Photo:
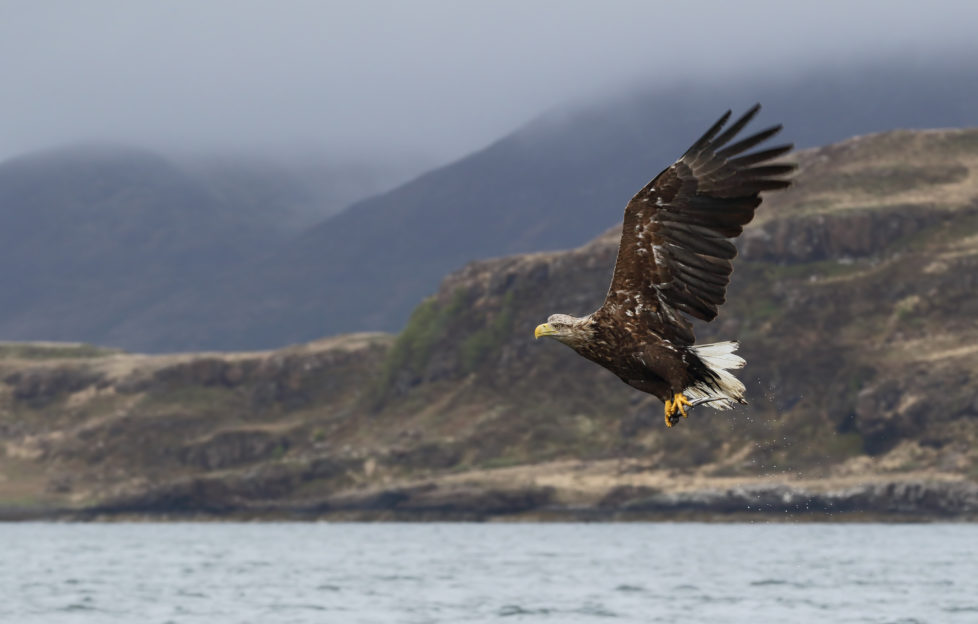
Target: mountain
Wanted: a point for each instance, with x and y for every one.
(854, 299)
(91, 235)
(296, 191)
(555, 183)
(131, 249)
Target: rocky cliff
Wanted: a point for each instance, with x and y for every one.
(854, 299)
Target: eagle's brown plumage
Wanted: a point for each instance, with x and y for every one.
(674, 262)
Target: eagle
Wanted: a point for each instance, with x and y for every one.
(674, 263)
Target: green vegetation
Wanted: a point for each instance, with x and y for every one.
(502, 461)
(966, 141)
(814, 205)
(480, 343)
(898, 179)
(761, 309)
(819, 268)
(193, 397)
(429, 323)
(843, 446)
(814, 448)
(907, 307)
(52, 350)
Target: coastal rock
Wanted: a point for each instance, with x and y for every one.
(925, 498)
(230, 448)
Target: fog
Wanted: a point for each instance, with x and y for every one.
(431, 79)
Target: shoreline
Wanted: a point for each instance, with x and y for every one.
(495, 496)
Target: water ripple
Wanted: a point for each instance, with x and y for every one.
(511, 610)
(457, 574)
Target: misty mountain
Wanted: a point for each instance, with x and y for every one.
(141, 254)
(294, 192)
(554, 183)
(92, 235)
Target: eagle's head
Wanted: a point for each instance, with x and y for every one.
(570, 330)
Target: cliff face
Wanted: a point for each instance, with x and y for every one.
(854, 299)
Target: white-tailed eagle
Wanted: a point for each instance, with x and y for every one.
(674, 262)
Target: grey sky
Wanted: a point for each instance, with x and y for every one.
(437, 77)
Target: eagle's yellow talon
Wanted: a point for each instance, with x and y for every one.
(676, 404)
(680, 404)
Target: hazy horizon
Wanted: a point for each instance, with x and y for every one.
(426, 82)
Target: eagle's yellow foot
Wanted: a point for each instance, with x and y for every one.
(680, 402)
(675, 407)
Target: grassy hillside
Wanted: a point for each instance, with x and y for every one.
(854, 299)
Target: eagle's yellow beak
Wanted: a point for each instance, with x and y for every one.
(544, 330)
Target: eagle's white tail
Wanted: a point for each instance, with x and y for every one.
(724, 391)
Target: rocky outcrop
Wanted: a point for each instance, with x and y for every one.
(231, 448)
(924, 498)
(920, 498)
(42, 384)
(843, 235)
(434, 501)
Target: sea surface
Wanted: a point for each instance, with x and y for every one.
(417, 573)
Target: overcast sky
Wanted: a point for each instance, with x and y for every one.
(432, 77)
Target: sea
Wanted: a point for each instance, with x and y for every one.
(265, 573)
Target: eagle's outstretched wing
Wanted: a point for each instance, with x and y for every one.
(675, 253)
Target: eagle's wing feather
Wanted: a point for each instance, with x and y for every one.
(675, 252)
